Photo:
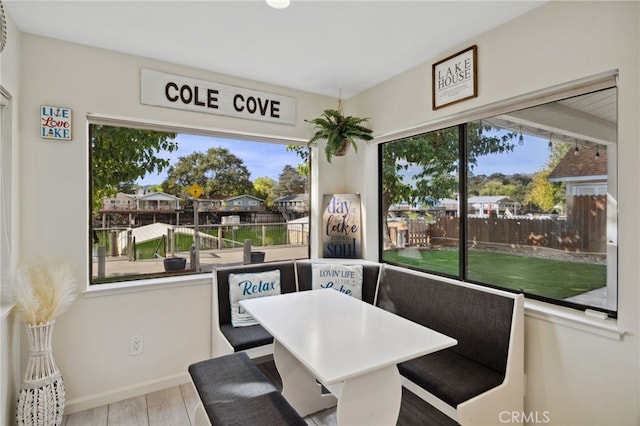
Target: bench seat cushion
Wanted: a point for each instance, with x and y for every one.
(266, 410)
(229, 377)
(234, 391)
(479, 320)
(450, 376)
(243, 338)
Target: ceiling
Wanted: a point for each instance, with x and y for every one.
(324, 47)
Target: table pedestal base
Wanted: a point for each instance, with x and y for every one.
(299, 387)
(372, 398)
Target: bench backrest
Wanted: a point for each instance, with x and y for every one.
(370, 274)
(287, 282)
(479, 320)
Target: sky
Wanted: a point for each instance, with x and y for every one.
(529, 157)
(268, 159)
(262, 159)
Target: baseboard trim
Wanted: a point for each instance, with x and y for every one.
(88, 402)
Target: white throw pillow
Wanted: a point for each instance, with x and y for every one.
(249, 286)
(343, 278)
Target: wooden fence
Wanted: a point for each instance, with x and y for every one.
(583, 230)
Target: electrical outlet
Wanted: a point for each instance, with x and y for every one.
(136, 345)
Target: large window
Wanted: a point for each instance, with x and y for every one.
(524, 201)
(166, 204)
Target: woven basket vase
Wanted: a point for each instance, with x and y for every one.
(41, 400)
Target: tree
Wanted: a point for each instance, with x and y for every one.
(544, 194)
(217, 171)
(303, 153)
(515, 186)
(121, 155)
(290, 182)
(263, 188)
(424, 167)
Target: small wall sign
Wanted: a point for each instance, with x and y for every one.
(341, 226)
(174, 91)
(55, 122)
(455, 78)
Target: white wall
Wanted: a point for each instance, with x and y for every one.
(578, 377)
(91, 341)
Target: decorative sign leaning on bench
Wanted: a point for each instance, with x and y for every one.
(341, 222)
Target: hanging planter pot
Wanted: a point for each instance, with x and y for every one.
(339, 131)
(346, 145)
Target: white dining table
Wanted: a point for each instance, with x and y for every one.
(349, 346)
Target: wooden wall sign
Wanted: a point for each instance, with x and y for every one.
(455, 78)
(178, 92)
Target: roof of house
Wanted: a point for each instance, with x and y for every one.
(244, 196)
(157, 196)
(292, 197)
(582, 165)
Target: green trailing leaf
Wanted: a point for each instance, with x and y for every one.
(337, 130)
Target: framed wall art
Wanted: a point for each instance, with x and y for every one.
(455, 78)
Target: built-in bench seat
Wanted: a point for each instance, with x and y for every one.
(294, 276)
(483, 375)
(254, 336)
(472, 382)
(233, 391)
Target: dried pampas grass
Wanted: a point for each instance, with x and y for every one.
(41, 293)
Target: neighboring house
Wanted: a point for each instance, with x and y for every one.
(583, 173)
(489, 204)
(158, 201)
(425, 205)
(243, 203)
(292, 206)
(122, 201)
(449, 206)
(482, 205)
(585, 176)
(210, 204)
(399, 208)
(294, 203)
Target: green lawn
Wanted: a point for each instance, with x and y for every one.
(544, 277)
(274, 235)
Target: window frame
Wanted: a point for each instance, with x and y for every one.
(576, 88)
(144, 281)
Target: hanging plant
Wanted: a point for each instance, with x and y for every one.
(339, 131)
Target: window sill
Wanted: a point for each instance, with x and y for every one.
(97, 290)
(5, 310)
(575, 319)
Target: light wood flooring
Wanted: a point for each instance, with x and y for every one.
(175, 407)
